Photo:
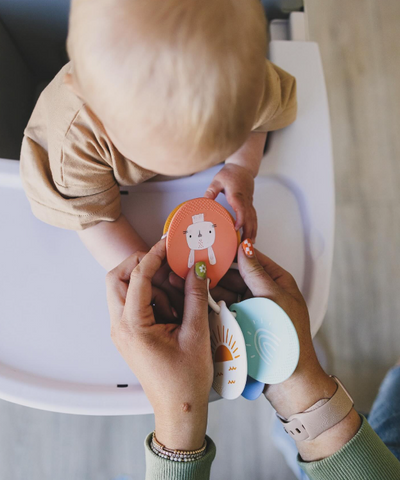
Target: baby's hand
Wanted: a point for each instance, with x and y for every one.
(237, 183)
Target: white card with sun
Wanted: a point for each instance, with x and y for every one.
(229, 354)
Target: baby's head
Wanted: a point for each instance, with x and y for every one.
(176, 83)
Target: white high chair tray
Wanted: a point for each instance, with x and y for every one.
(55, 348)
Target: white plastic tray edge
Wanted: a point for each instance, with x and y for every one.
(61, 397)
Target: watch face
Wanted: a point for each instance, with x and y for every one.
(201, 230)
(272, 344)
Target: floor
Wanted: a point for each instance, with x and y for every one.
(360, 47)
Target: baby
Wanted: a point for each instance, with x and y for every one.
(167, 87)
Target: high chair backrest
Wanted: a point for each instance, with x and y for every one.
(38, 29)
(32, 50)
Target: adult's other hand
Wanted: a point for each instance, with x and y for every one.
(172, 362)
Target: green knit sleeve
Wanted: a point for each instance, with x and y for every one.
(364, 457)
(158, 468)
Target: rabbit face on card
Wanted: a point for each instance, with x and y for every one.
(200, 235)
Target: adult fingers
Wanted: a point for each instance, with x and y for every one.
(255, 276)
(176, 281)
(117, 281)
(138, 308)
(175, 297)
(280, 276)
(162, 306)
(195, 313)
(161, 275)
(233, 281)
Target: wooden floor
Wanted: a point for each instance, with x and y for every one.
(360, 47)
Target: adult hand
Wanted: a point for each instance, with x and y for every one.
(261, 277)
(265, 278)
(172, 362)
(168, 307)
(309, 383)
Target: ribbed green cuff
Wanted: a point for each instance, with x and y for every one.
(158, 468)
(364, 457)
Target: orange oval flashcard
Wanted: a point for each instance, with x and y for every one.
(201, 230)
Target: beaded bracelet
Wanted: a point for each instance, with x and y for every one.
(177, 455)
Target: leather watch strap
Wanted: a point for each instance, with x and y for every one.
(319, 418)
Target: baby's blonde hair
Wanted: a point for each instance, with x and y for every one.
(190, 68)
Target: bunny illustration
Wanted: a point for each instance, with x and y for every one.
(200, 235)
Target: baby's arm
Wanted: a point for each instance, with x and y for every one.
(112, 242)
(250, 153)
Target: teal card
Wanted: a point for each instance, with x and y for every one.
(271, 340)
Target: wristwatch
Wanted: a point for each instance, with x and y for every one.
(320, 417)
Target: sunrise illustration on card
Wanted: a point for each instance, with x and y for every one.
(229, 354)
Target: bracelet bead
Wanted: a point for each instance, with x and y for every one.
(177, 455)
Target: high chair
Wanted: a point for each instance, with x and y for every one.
(55, 348)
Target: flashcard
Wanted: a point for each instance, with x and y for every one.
(272, 344)
(201, 230)
(253, 389)
(229, 354)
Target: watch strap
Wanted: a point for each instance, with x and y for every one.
(319, 418)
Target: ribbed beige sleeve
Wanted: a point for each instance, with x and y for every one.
(364, 457)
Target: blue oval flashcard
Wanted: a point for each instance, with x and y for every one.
(271, 340)
(228, 352)
(253, 389)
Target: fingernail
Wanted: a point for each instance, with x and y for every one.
(201, 270)
(174, 312)
(248, 248)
